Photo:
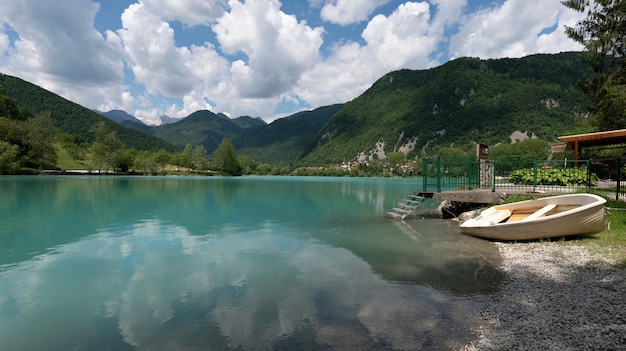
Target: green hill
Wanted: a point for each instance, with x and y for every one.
(461, 103)
(72, 118)
(204, 128)
(285, 139)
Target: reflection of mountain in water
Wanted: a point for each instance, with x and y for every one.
(50, 211)
(229, 263)
(43, 212)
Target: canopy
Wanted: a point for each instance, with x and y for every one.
(580, 141)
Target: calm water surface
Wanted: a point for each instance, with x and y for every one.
(250, 263)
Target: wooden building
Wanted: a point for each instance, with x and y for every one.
(601, 140)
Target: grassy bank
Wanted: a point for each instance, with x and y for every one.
(610, 243)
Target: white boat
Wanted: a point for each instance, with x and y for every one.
(548, 217)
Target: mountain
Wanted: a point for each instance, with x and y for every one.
(204, 128)
(280, 142)
(119, 116)
(72, 118)
(246, 122)
(285, 139)
(316, 118)
(159, 121)
(461, 103)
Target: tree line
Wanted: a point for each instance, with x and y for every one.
(107, 154)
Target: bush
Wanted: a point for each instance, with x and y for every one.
(552, 176)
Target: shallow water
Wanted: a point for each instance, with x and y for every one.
(249, 263)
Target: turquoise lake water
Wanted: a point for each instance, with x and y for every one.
(247, 263)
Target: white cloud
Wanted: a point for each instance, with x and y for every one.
(278, 47)
(152, 53)
(512, 30)
(404, 39)
(558, 41)
(339, 78)
(191, 12)
(448, 11)
(58, 45)
(346, 12)
(4, 43)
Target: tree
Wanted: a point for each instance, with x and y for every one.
(126, 159)
(264, 169)
(8, 158)
(225, 159)
(248, 165)
(187, 157)
(14, 132)
(451, 151)
(198, 159)
(41, 133)
(144, 161)
(395, 159)
(603, 34)
(162, 158)
(178, 159)
(106, 148)
(8, 108)
(537, 148)
(75, 146)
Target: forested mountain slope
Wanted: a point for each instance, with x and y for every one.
(74, 119)
(460, 103)
(205, 128)
(284, 140)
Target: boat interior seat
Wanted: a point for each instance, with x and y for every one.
(540, 212)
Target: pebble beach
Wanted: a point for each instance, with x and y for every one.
(557, 296)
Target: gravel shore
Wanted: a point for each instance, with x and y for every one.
(555, 297)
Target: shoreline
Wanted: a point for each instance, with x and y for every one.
(555, 297)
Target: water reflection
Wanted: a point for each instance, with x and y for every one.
(427, 252)
(269, 265)
(72, 207)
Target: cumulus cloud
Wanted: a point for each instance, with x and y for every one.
(191, 12)
(59, 43)
(512, 30)
(4, 43)
(346, 12)
(152, 53)
(404, 39)
(278, 47)
(558, 41)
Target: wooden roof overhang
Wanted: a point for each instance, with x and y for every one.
(580, 141)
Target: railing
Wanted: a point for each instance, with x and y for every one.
(508, 173)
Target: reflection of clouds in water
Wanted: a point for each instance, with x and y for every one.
(250, 288)
(396, 314)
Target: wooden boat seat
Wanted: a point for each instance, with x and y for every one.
(540, 212)
(494, 218)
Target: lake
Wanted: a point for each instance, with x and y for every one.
(246, 263)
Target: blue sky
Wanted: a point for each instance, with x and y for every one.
(262, 58)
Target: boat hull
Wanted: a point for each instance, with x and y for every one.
(573, 214)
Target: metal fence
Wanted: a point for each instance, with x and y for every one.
(508, 173)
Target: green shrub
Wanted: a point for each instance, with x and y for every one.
(552, 176)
